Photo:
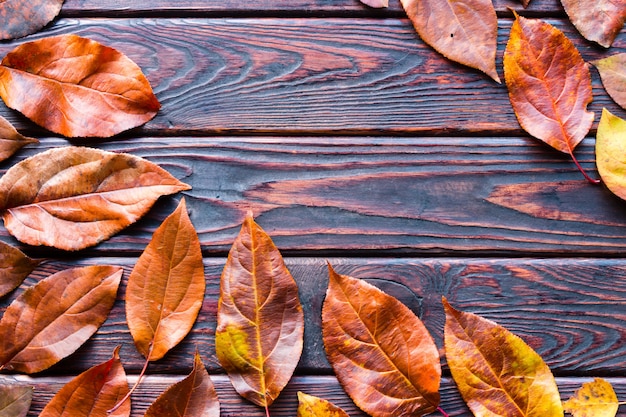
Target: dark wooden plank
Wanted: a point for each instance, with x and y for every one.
(303, 76)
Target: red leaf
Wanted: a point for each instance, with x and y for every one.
(15, 266)
(597, 20)
(10, 139)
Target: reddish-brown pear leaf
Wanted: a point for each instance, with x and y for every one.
(464, 31)
(24, 17)
(260, 322)
(11, 140)
(311, 406)
(92, 393)
(382, 354)
(613, 73)
(14, 267)
(496, 372)
(594, 399)
(76, 87)
(194, 396)
(15, 399)
(597, 20)
(52, 319)
(75, 197)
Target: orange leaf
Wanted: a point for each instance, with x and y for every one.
(260, 323)
(11, 140)
(464, 31)
(92, 393)
(310, 406)
(382, 354)
(611, 153)
(15, 399)
(76, 87)
(52, 319)
(597, 20)
(24, 17)
(15, 266)
(593, 399)
(496, 372)
(613, 73)
(74, 197)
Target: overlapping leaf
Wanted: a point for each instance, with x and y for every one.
(15, 399)
(14, 267)
(75, 197)
(11, 140)
(593, 399)
(611, 152)
(597, 20)
(92, 393)
(311, 406)
(613, 73)
(260, 323)
(52, 319)
(76, 87)
(496, 372)
(23, 17)
(382, 354)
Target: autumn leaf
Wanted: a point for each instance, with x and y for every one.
(75, 197)
(613, 74)
(382, 354)
(11, 140)
(376, 3)
(194, 396)
(597, 20)
(525, 3)
(593, 399)
(15, 266)
(464, 31)
(311, 406)
(496, 372)
(260, 323)
(76, 87)
(24, 17)
(92, 393)
(549, 85)
(53, 318)
(15, 399)
(611, 153)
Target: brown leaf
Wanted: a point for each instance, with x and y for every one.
(496, 372)
(376, 3)
(74, 197)
(610, 154)
(11, 140)
(464, 31)
(194, 396)
(260, 323)
(382, 354)
(15, 266)
(525, 3)
(24, 17)
(593, 399)
(310, 406)
(597, 20)
(52, 319)
(166, 287)
(92, 393)
(76, 87)
(15, 399)
(613, 73)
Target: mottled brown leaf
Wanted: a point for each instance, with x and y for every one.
(611, 153)
(52, 319)
(593, 399)
(11, 140)
(76, 87)
(15, 398)
(24, 17)
(311, 406)
(75, 197)
(14, 267)
(613, 73)
(382, 354)
(597, 20)
(260, 323)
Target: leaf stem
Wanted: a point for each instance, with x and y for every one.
(141, 375)
(267, 410)
(580, 168)
(442, 412)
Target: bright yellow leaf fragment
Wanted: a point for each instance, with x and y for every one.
(593, 399)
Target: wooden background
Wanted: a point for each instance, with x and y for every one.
(353, 142)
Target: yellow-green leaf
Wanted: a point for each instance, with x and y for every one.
(611, 152)
(311, 406)
(613, 74)
(593, 399)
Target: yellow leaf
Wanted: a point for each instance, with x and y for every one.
(611, 153)
(593, 399)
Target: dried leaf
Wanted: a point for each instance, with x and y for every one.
(310, 406)
(464, 31)
(382, 354)
(52, 319)
(376, 3)
(24, 17)
(166, 287)
(613, 73)
(496, 372)
(15, 399)
(76, 87)
(593, 399)
(611, 153)
(74, 197)
(194, 396)
(11, 140)
(15, 266)
(597, 20)
(260, 323)
(92, 393)
(525, 3)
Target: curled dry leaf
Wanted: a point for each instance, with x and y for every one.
(496, 372)
(593, 399)
(376, 3)
(382, 354)
(310, 406)
(11, 140)
(260, 323)
(464, 31)
(597, 20)
(76, 87)
(611, 153)
(15, 398)
(613, 73)
(52, 319)
(92, 393)
(74, 197)
(24, 17)
(15, 266)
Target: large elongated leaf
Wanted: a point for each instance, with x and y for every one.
(613, 73)
(14, 267)
(52, 319)
(382, 354)
(260, 323)
(10, 139)
(496, 372)
(597, 20)
(75, 197)
(310, 406)
(593, 399)
(76, 87)
(15, 399)
(464, 31)
(23, 17)
(611, 153)
(92, 393)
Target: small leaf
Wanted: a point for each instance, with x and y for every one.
(15, 399)
(194, 396)
(74, 197)
(598, 20)
(15, 266)
(24, 17)
(92, 393)
(76, 87)
(382, 354)
(613, 73)
(464, 31)
(496, 372)
(260, 323)
(593, 399)
(611, 153)
(52, 319)
(11, 140)
(376, 3)
(310, 406)
(525, 3)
